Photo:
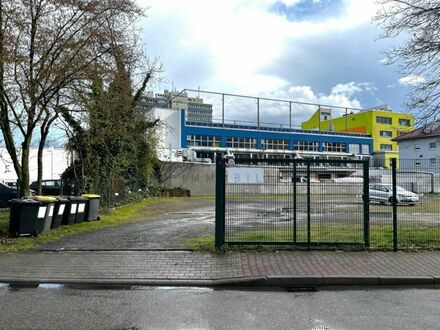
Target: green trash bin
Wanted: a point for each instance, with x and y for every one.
(50, 205)
(92, 207)
(27, 217)
(58, 211)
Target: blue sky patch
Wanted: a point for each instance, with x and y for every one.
(308, 9)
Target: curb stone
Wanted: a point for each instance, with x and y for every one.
(312, 281)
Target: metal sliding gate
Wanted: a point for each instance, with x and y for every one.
(297, 202)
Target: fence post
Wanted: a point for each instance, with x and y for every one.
(294, 200)
(219, 202)
(394, 201)
(308, 204)
(366, 198)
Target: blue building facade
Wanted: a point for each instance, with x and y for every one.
(247, 139)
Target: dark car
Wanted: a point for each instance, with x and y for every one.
(52, 187)
(6, 194)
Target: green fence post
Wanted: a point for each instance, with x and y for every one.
(394, 199)
(308, 204)
(294, 200)
(366, 199)
(219, 202)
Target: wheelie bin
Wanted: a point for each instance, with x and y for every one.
(81, 210)
(27, 217)
(58, 212)
(92, 207)
(50, 204)
(70, 211)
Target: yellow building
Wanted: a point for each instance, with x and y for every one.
(382, 124)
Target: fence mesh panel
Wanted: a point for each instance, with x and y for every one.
(324, 203)
(293, 202)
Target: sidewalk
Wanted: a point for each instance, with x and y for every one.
(282, 269)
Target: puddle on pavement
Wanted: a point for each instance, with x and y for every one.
(56, 286)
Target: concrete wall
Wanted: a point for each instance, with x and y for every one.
(199, 178)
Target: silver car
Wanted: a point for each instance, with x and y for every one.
(383, 193)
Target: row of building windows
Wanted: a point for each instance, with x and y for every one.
(203, 141)
(246, 143)
(389, 121)
(274, 144)
(432, 162)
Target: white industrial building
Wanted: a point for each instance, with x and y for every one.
(55, 162)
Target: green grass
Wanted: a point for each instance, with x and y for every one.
(381, 237)
(135, 212)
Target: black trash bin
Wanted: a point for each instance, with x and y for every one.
(58, 211)
(27, 217)
(92, 207)
(81, 210)
(70, 211)
(50, 204)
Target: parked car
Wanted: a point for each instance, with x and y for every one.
(383, 193)
(52, 187)
(7, 193)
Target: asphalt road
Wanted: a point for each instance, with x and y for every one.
(202, 308)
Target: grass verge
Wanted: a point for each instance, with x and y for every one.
(381, 237)
(143, 210)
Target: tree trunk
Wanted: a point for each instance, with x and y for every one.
(40, 166)
(24, 182)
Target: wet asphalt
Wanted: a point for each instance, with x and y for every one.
(170, 230)
(58, 307)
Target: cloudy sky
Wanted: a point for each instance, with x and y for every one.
(320, 51)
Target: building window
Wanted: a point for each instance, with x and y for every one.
(433, 161)
(432, 145)
(404, 122)
(365, 149)
(306, 146)
(194, 140)
(384, 120)
(335, 147)
(355, 148)
(275, 144)
(386, 133)
(245, 143)
(386, 147)
(417, 163)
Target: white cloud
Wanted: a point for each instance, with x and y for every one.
(238, 38)
(411, 80)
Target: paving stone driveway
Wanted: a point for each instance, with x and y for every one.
(171, 230)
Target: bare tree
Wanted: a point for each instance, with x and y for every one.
(418, 56)
(45, 46)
